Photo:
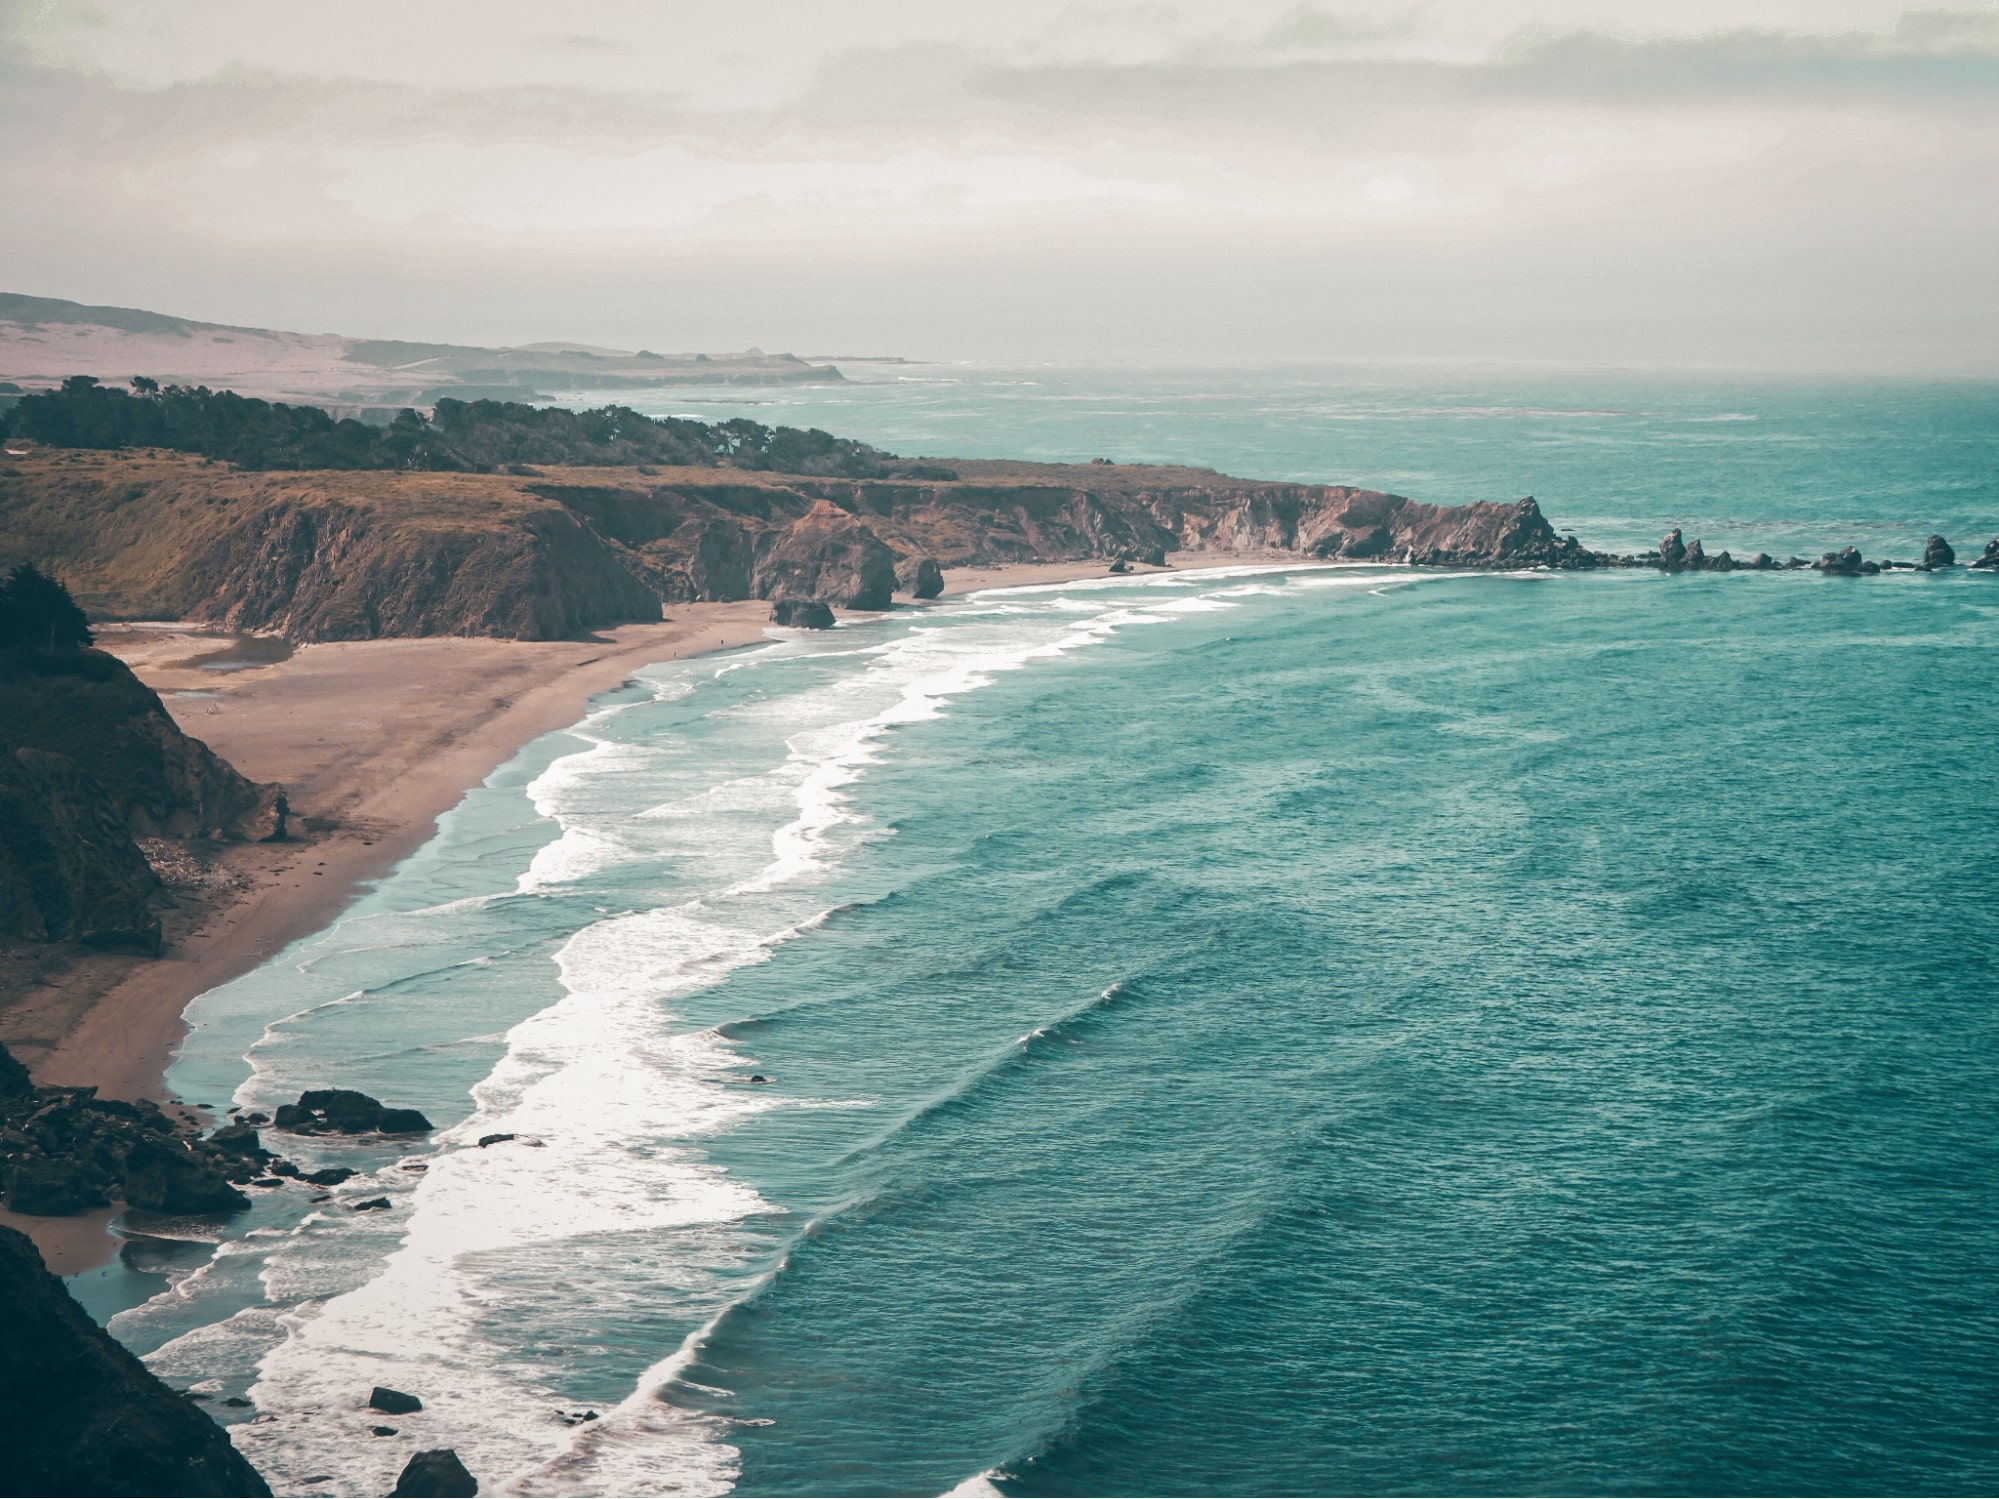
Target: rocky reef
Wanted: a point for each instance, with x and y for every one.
(91, 761)
(80, 1415)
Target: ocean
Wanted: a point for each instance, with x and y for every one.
(1272, 1030)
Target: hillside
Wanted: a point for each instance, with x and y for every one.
(44, 339)
(556, 552)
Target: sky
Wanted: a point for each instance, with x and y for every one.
(1756, 184)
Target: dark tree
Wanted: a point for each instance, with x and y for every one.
(37, 612)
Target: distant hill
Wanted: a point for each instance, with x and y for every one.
(43, 340)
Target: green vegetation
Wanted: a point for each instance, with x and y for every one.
(460, 436)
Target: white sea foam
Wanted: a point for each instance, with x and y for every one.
(609, 1104)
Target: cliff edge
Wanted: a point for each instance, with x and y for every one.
(80, 1415)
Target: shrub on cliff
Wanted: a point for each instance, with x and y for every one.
(37, 613)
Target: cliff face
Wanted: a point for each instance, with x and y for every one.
(330, 571)
(339, 556)
(80, 1415)
(89, 761)
(827, 557)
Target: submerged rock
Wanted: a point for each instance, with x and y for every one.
(435, 1473)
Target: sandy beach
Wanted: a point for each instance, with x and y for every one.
(373, 741)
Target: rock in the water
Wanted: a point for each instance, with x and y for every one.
(343, 1111)
(331, 1176)
(1672, 551)
(808, 615)
(1990, 557)
(372, 1205)
(825, 556)
(1845, 563)
(393, 1402)
(485, 1140)
(435, 1473)
(1937, 553)
(919, 577)
(1695, 557)
(80, 1415)
(169, 1176)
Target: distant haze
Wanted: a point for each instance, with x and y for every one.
(1762, 183)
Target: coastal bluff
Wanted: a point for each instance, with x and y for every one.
(82, 1415)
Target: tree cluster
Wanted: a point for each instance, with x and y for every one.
(37, 613)
(459, 437)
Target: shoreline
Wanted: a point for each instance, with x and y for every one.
(373, 741)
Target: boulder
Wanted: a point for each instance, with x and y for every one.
(169, 1176)
(343, 1111)
(435, 1473)
(393, 1402)
(802, 616)
(1845, 563)
(1695, 557)
(332, 1176)
(1990, 557)
(919, 577)
(826, 556)
(80, 1415)
(1672, 551)
(1937, 553)
(53, 1188)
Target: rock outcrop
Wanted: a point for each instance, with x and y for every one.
(1937, 553)
(435, 1473)
(827, 556)
(812, 616)
(919, 577)
(1845, 563)
(1990, 557)
(90, 761)
(343, 1111)
(329, 571)
(80, 1415)
(65, 1150)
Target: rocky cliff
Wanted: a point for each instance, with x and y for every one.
(90, 760)
(80, 1415)
(331, 571)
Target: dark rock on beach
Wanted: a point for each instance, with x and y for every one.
(919, 577)
(393, 1402)
(80, 1415)
(65, 1150)
(809, 615)
(435, 1473)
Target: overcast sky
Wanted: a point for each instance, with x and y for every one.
(1758, 182)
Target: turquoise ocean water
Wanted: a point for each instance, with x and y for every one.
(1310, 1030)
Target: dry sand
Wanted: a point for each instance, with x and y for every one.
(373, 742)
